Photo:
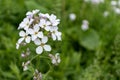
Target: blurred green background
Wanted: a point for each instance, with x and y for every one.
(85, 55)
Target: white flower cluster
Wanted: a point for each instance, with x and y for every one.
(38, 27)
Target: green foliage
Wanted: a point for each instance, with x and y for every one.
(85, 55)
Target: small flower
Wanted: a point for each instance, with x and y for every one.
(45, 24)
(84, 25)
(35, 33)
(44, 16)
(72, 16)
(24, 36)
(55, 33)
(31, 14)
(106, 13)
(42, 45)
(117, 10)
(37, 75)
(25, 23)
(25, 65)
(53, 19)
(113, 3)
(55, 59)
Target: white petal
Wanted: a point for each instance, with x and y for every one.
(47, 47)
(22, 33)
(17, 46)
(58, 35)
(54, 61)
(28, 13)
(40, 34)
(20, 40)
(34, 37)
(39, 50)
(30, 31)
(37, 41)
(53, 36)
(36, 28)
(47, 28)
(27, 39)
(44, 39)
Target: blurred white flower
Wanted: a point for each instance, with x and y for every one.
(53, 20)
(24, 36)
(42, 45)
(72, 16)
(55, 33)
(95, 1)
(55, 59)
(35, 33)
(45, 24)
(117, 10)
(25, 65)
(106, 13)
(44, 16)
(113, 3)
(85, 25)
(31, 14)
(25, 23)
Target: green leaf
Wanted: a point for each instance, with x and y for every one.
(89, 39)
(33, 5)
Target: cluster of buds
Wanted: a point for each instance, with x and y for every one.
(37, 75)
(55, 59)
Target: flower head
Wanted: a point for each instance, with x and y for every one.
(42, 45)
(35, 33)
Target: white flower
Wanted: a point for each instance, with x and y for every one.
(106, 13)
(55, 33)
(25, 23)
(25, 65)
(53, 19)
(117, 10)
(24, 36)
(55, 59)
(42, 45)
(31, 14)
(44, 16)
(113, 3)
(72, 16)
(35, 33)
(97, 1)
(85, 25)
(45, 24)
